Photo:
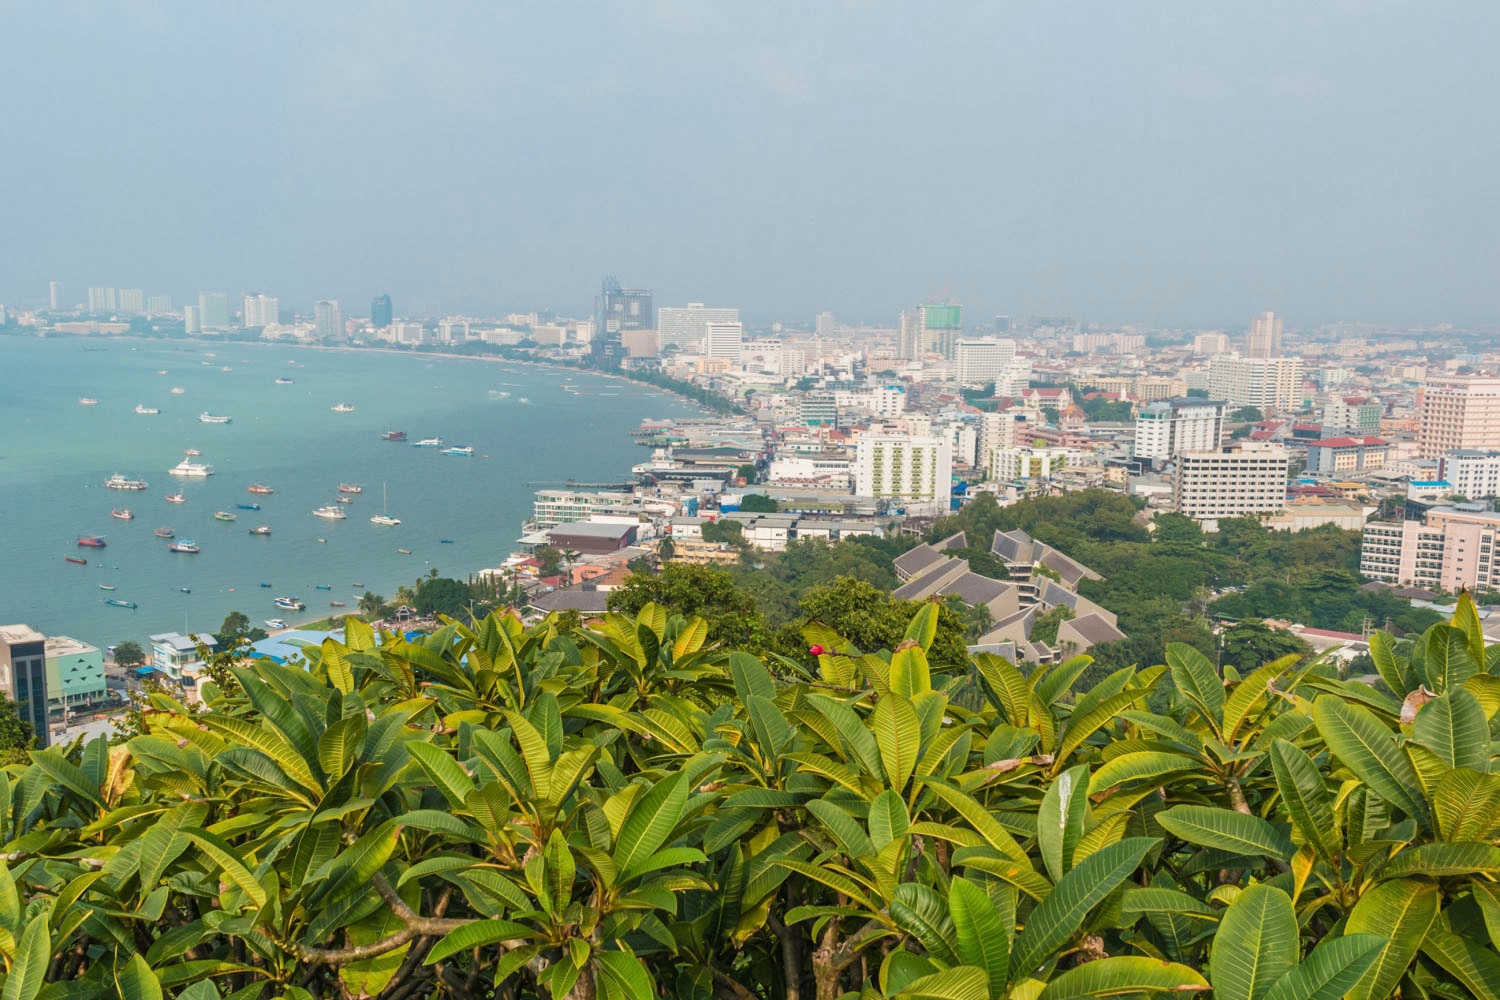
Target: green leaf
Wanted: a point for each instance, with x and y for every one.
(1306, 798)
(923, 626)
(136, 981)
(1395, 670)
(1464, 959)
(1060, 915)
(651, 820)
(843, 827)
(67, 774)
(1446, 660)
(961, 983)
(451, 779)
(1401, 912)
(1466, 806)
(223, 855)
(1330, 970)
(888, 819)
(982, 934)
(1059, 822)
(1364, 744)
(1251, 692)
(1082, 726)
(860, 744)
(1198, 682)
(1126, 976)
(476, 935)
(1226, 830)
(28, 970)
(1453, 726)
(1443, 861)
(560, 870)
(909, 673)
(750, 677)
(898, 736)
(623, 977)
(922, 913)
(1139, 765)
(1255, 946)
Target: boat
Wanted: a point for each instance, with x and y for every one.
(283, 380)
(187, 545)
(165, 533)
(106, 586)
(266, 585)
(178, 390)
(428, 443)
(212, 418)
(226, 368)
(121, 604)
(343, 499)
(161, 371)
(337, 604)
(91, 541)
(191, 452)
(119, 482)
(175, 498)
(323, 586)
(460, 450)
(184, 590)
(275, 623)
(393, 436)
(331, 512)
(290, 604)
(76, 560)
(356, 586)
(523, 399)
(146, 411)
(88, 401)
(193, 470)
(350, 488)
(445, 541)
(260, 488)
(223, 515)
(122, 514)
(343, 408)
(264, 529)
(247, 506)
(384, 518)
(404, 552)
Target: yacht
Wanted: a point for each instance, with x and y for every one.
(283, 380)
(343, 408)
(212, 418)
(275, 623)
(461, 450)
(331, 512)
(187, 545)
(119, 482)
(264, 529)
(191, 452)
(289, 604)
(196, 470)
(146, 411)
(429, 443)
(343, 499)
(175, 498)
(386, 520)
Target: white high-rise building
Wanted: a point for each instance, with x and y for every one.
(1264, 383)
(824, 324)
(913, 471)
(1459, 413)
(1211, 343)
(1264, 339)
(260, 310)
(1169, 427)
(1027, 462)
(912, 344)
(985, 360)
(1005, 429)
(191, 322)
(157, 305)
(723, 340)
(132, 300)
(685, 326)
(328, 320)
(1473, 474)
(1245, 480)
(102, 300)
(55, 295)
(213, 310)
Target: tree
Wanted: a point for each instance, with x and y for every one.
(699, 591)
(724, 531)
(666, 549)
(1044, 627)
(747, 472)
(442, 596)
(235, 627)
(129, 655)
(371, 604)
(758, 503)
(1247, 414)
(1178, 529)
(1251, 643)
(16, 734)
(549, 560)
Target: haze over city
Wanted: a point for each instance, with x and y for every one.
(1167, 163)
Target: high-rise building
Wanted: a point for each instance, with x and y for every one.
(55, 296)
(823, 325)
(191, 321)
(1264, 338)
(328, 320)
(380, 312)
(1472, 474)
(1169, 427)
(23, 676)
(1209, 344)
(984, 361)
(102, 300)
(1459, 413)
(213, 311)
(1449, 549)
(1014, 462)
(1264, 383)
(723, 340)
(1242, 481)
(684, 325)
(941, 327)
(618, 309)
(914, 470)
(260, 310)
(1351, 415)
(132, 300)
(157, 305)
(912, 346)
(1003, 429)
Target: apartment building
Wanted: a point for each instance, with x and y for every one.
(551, 507)
(1452, 548)
(1472, 474)
(1169, 427)
(1264, 383)
(916, 470)
(985, 360)
(1351, 415)
(1247, 479)
(1346, 454)
(1459, 413)
(1026, 462)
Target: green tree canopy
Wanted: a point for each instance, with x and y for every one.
(129, 654)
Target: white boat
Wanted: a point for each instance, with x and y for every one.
(343, 408)
(428, 443)
(119, 482)
(460, 450)
(284, 381)
(88, 401)
(275, 623)
(146, 411)
(290, 603)
(178, 390)
(194, 470)
(331, 511)
(386, 520)
(210, 418)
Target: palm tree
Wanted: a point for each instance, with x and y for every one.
(666, 549)
(371, 604)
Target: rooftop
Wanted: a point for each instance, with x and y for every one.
(14, 634)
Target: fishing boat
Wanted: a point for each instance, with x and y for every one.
(88, 401)
(343, 408)
(165, 533)
(275, 623)
(76, 560)
(289, 604)
(187, 546)
(260, 488)
(404, 552)
(146, 411)
(106, 586)
(122, 514)
(337, 604)
(393, 436)
(350, 488)
(343, 500)
(323, 586)
(331, 511)
(223, 515)
(121, 604)
(191, 470)
(175, 498)
(428, 443)
(91, 541)
(178, 390)
(119, 482)
(247, 506)
(264, 529)
(283, 380)
(460, 451)
(213, 418)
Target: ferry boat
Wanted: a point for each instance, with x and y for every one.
(428, 443)
(343, 408)
(223, 515)
(460, 450)
(283, 380)
(247, 506)
(343, 500)
(119, 482)
(195, 470)
(165, 533)
(350, 488)
(393, 436)
(260, 488)
(331, 512)
(275, 623)
(88, 401)
(187, 545)
(76, 560)
(212, 418)
(175, 498)
(264, 529)
(122, 514)
(289, 604)
(146, 411)
(178, 390)
(121, 604)
(386, 520)
(91, 541)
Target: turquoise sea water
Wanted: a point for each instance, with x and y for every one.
(55, 455)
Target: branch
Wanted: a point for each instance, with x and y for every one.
(735, 989)
(414, 926)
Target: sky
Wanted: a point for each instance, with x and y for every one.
(1154, 162)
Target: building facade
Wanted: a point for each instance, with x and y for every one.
(328, 320)
(942, 326)
(1264, 338)
(1449, 548)
(213, 311)
(75, 675)
(1264, 383)
(686, 325)
(1351, 415)
(23, 676)
(132, 300)
(381, 312)
(1346, 454)
(983, 361)
(916, 471)
(1459, 414)
(1472, 474)
(1027, 462)
(723, 340)
(1246, 480)
(1169, 427)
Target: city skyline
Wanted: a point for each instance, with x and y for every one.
(1171, 167)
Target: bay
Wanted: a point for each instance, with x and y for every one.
(55, 455)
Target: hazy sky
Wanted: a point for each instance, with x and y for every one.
(1162, 162)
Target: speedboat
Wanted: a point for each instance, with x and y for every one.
(331, 512)
(122, 514)
(211, 418)
(350, 488)
(223, 515)
(428, 443)
(343, 499)
(283, 380)
(386, 520)
(76, 560)
(91, 541)
(460, 450)
(191, 452)
(193, 470)
(184, 590)
(445, 541)
(146, 411)
(337, 604)
(106, 586)
(323, 586)
(121, 604)
(267, 586)
(175, 498)
(119, 482)
(275, 623)
(260, 488)
(343, 408)
(264, 529)
(289, 604)
(404, 552)
(165, 533)
(187, 546)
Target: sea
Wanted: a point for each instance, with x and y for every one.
(530, 426)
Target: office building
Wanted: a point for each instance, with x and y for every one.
(686, 325)
(1472, 474)
(380, 312)
(260, 310)
(551, 507)
(132, 300)
(1450, 549)
(941, 328)
(75, 675)
(1264, 338)
(328, 320)
(723, 340)
(102, 300)
(984, 361)
(55, 296)
(23, 676)
(1242, 481)
(913, 471)
(911, 345)
(1459, 414)
(1268, 384)
(158, 305)
(190, 320)
(1343, 455)
(213, 311)
(1351, 415)
(1169, 427)
(616, 310)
